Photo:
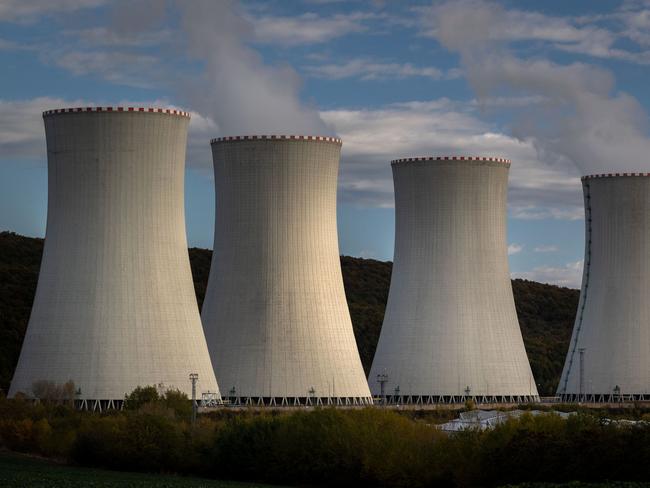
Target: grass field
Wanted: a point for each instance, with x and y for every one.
(18, 471)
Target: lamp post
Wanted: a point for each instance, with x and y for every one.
(582, 373)
(194, 378)
(382, 379)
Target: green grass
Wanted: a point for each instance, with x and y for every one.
(20, 471)
(579, 484)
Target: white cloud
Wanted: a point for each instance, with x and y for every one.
(514, 249)
(107, 37)
(533, 210)
(636, 23)
(374, 137)
(22, 135)
(6, 45)
(631, 21)
(569, 276)
(21, 127)
(581, 121)
(367, 69)
(368, 254)
(489, 21)
(307, 28)
(124, 68)
(546, 248)
(31, 10)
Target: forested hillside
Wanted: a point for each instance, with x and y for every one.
(545, 312)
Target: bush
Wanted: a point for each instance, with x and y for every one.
(51, 392)
(141, 396)
(149, 398)
(332, 446)
(329, 447)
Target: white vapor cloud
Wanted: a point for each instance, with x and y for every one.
(514, 249)
(582, 121)
(236, 89)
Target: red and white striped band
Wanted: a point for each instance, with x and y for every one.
(276, 137)
(451, 158)
(613, 175)
(170, 111)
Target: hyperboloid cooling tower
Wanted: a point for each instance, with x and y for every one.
(609, 352)
(275, 315)
(115, 306)
(450, 331)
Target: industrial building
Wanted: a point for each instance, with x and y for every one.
(450, 331)
(275, 314)
(609, 353)
(115, 306)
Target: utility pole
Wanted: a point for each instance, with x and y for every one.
(582, 372)
(193, 378)
(382, 379)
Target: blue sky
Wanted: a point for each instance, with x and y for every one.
(558, 87)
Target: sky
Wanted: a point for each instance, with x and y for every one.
(560, 88)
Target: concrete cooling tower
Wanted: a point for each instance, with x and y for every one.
(609, 352)
(115, 306)
(275, 315)
(451, 331)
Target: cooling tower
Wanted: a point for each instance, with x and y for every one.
(115, 306)
(450, 330)
(275, 315)
(609, 352)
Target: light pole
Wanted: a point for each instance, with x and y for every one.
(312, 395)
(382, 379)
(194, 378)
(582, 373)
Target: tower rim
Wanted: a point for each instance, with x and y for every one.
(614, 175)
(451, 158)
(117, 109)
(276, 137)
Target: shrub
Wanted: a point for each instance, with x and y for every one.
(51, 392)
(141, 396)
(150, 399)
